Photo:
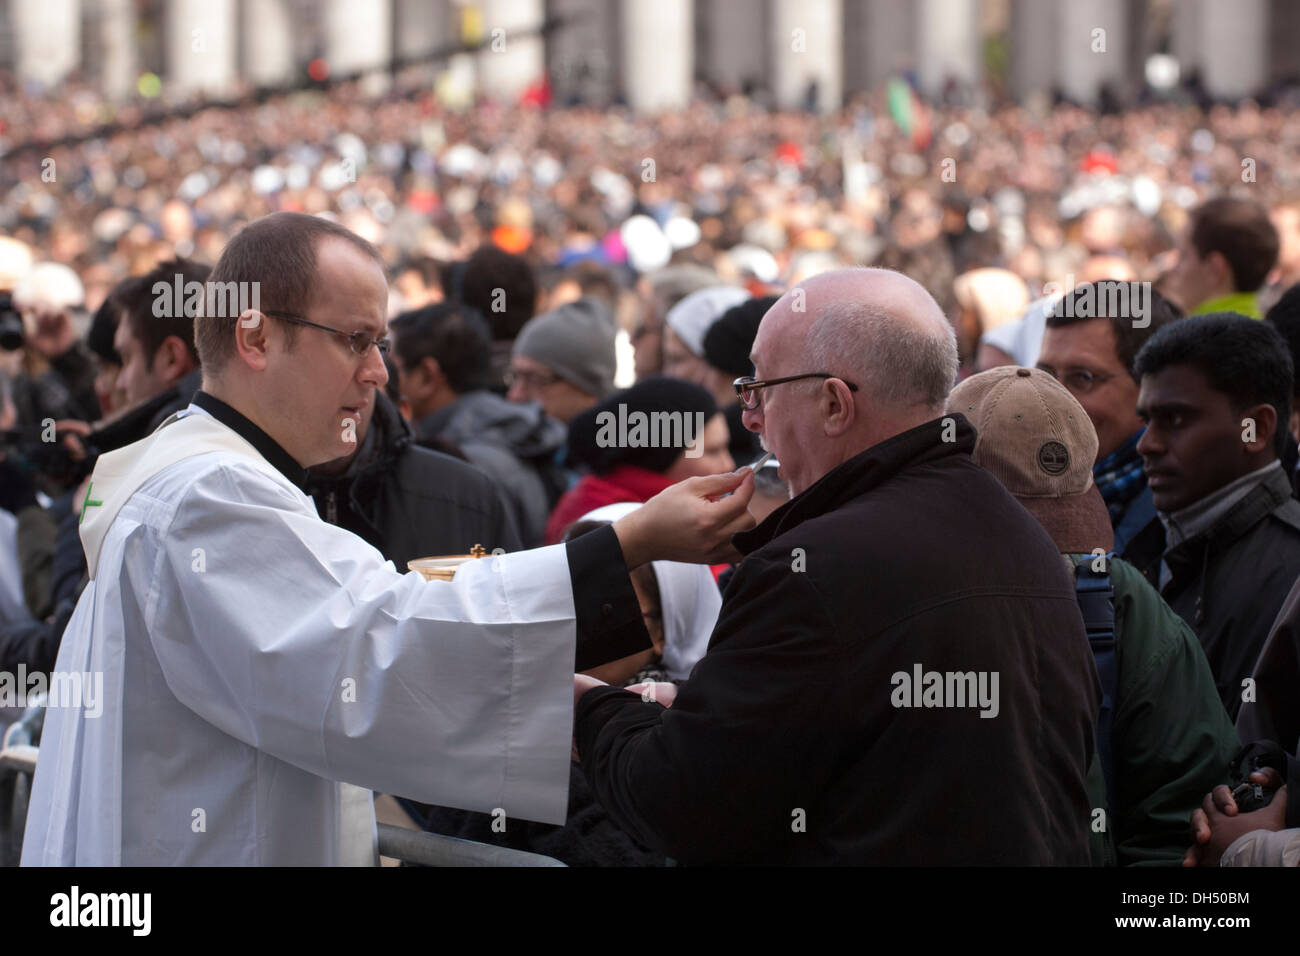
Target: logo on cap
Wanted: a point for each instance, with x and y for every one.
(1053, 457)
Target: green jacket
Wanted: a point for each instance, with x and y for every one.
(1171, 738)
(1244, 302)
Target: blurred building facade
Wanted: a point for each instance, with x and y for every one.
(654, 54)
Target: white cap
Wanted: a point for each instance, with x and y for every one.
(691, 317)
(51, 286)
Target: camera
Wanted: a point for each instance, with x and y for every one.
(11, 324)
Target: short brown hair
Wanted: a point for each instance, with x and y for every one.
(278, 253)
(136, 305)
(1091, 300)
(1241, 232)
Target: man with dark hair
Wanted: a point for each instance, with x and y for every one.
(442, 355)
(156, 345)
(1092, 337)
(1215, 393)
(419, 282)
(586, 280)
(99, 339)
(278, 667)
(271, 269)
(502, 287)
(1227, 251)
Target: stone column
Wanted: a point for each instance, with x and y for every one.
(358, 35)
(267, 33)
(737, 44)
(658, 53)
(1234, 47)
(201, 36)
(1035, 59)
(118, 36)
(807, 47)
(948, 43)
(1094, 44)
(883, 44)
(47, 39)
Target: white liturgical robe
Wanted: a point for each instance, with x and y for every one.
(256, 659)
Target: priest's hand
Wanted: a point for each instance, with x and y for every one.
(690, 521)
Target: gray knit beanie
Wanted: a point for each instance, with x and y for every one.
(576, 342)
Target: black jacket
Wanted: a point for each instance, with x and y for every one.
(789, 745)
(411, 502)
(515, 444)
(1274, 714)
(1229, 582)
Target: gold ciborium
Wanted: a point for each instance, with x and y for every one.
(444, 568)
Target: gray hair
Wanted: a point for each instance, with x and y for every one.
(898, 363)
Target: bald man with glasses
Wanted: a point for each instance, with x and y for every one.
(899, 674)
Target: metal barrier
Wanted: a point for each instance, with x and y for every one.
(17, 766)
(432, 849)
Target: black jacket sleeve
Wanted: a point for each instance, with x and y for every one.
(37, 531)
(609, 619)
(1275, 712)
(69, 573)
(34, 644)
(696, 781)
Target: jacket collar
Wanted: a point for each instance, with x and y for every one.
(1249, 510)
(1200, 516)
(267, 446)
(862, 473)
(1243, 302)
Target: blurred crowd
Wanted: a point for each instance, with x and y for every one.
(933, 191)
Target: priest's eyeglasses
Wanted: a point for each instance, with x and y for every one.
(747, 387)
(359, 341)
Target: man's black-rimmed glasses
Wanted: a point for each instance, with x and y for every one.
(747, 386)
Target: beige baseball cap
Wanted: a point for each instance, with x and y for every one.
(1038, 441)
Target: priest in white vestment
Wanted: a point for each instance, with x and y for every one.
(256, 660)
